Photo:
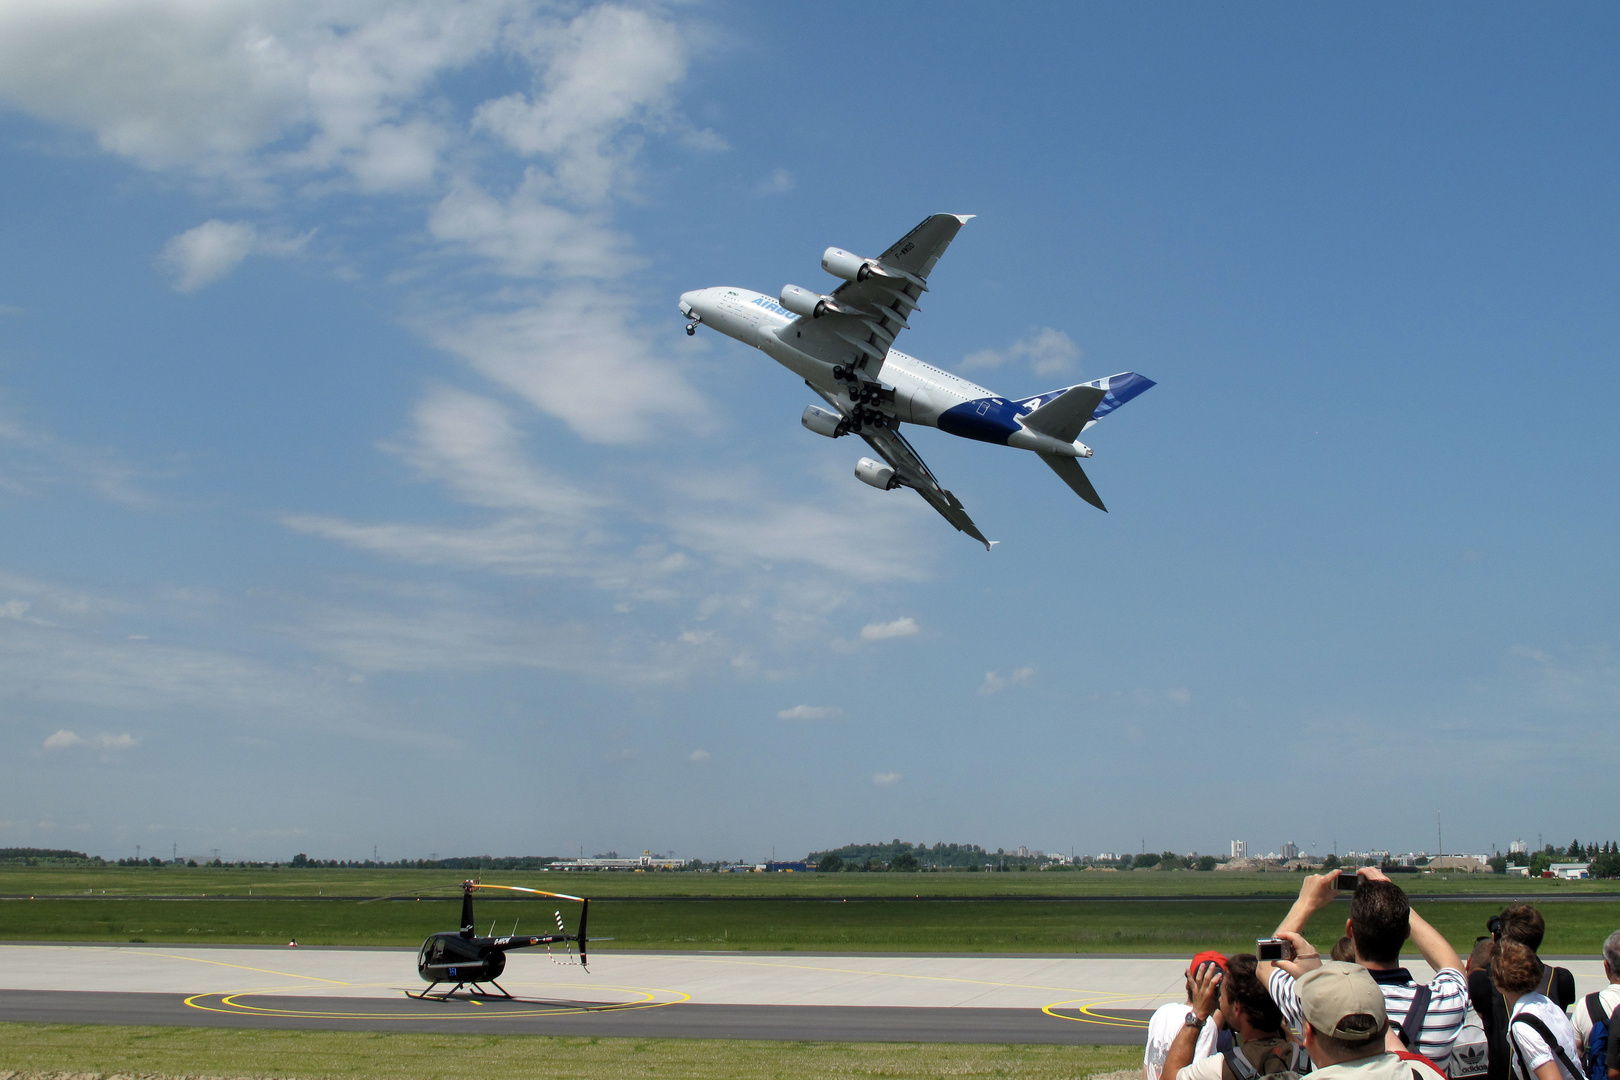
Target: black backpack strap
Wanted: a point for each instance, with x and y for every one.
(1412, 1026)
(1534, 1024)
(1594, 1008)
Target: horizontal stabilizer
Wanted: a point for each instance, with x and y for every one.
(1064, 416)
(1073, 475)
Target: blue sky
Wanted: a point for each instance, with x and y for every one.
(358, 485)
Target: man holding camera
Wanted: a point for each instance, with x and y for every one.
(1429, 1015)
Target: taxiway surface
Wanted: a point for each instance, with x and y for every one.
(854, 997)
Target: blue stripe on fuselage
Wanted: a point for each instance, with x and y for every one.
(991, 420)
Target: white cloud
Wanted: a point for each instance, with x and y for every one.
(994, 682)
(901, 627)
(608, 68)
(780, 182)
(203, 255)
(249, 91)
(811, 712)
(64, 739)
(578, 356)
(1047, 351)
(32, 461)
(472, 444)
(887, 779)
(698, 755)
(525, 235)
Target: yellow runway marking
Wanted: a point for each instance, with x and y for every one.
(1088, 1016)
(234, 1007)
(244, 967)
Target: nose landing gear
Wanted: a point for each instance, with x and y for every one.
(691, 328)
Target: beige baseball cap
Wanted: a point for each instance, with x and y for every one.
(1341, 1000)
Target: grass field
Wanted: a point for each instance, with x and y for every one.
(72, 1048)
(286, 881)
(904, 925)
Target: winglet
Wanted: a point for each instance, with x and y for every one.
(988, 544)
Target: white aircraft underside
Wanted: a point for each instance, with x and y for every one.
(841, 344)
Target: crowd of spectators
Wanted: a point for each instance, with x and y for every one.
(1360, 1015)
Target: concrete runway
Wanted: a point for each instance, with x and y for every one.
(853, 997)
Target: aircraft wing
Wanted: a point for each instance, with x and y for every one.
(864, 317)
(911, 472)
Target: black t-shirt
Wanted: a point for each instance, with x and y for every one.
(1556, 982)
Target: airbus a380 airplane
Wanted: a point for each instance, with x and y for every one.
(842, 346)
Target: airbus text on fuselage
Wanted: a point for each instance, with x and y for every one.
(842, 345)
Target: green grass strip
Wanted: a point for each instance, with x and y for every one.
(1010, 925)
(82, 1048)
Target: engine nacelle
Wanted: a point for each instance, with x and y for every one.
(823, 422)
(876, 473)
(804, 302)
(840, 263)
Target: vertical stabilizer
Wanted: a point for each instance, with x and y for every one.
(466, 911)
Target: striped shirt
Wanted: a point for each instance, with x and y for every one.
(1448, 1007)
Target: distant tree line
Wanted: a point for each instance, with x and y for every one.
(901, 856)
(35, 856)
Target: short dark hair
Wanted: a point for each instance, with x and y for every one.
(1245, 990)
(1524, 924)
(1380, 921)
(1515, 969)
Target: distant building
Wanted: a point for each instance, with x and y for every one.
(1023, 852)
(1569, 871)
(647, 861)
(799, 867)
(1290, 850)
(1240, 849)
(1517, 848)
(1467, 864)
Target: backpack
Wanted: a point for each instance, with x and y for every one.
(1470, 1054)
(1292, 1058)
(1534, 1024)
(1597, 1043)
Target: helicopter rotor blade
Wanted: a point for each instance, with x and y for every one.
(537, 892)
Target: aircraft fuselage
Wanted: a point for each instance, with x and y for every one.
(923, 393)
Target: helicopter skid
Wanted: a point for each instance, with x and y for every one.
(478, 990)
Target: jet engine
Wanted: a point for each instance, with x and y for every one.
(876, 473)
(804, 302)
(823, 422)
(840, 263)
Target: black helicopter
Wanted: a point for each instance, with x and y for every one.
(462, 958)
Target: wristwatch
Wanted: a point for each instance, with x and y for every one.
(1193, 1021)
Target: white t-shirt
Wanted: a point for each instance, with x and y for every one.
(1528, 1045)
(1166, 1024)
(1609, 998)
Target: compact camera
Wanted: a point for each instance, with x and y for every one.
(1346, 880)
(1273, 948)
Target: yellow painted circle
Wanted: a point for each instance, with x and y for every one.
(645, 998)
(1087, 1014)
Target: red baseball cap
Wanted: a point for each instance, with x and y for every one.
(1203, 958)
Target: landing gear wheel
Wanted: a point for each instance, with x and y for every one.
(691, 328)
(840, 372)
